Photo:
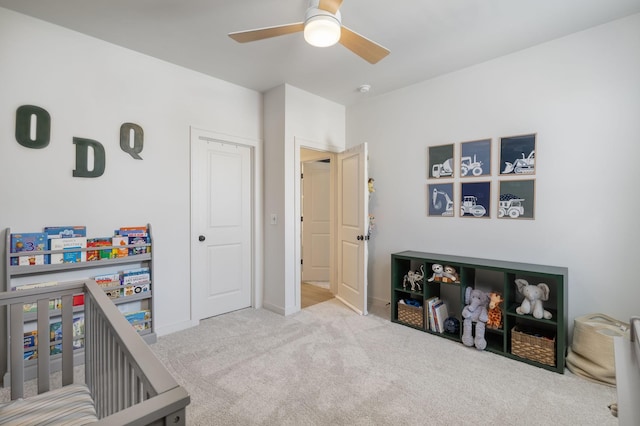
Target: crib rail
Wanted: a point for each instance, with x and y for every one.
(627, 359)
(128, 384)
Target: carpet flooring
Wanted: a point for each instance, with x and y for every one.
(326, 365)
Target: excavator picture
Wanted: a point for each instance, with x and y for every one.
(437, 202)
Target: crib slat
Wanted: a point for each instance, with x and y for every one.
(44, 346)
(17, 351)
(67, 340)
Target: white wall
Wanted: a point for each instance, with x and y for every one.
(293, 119)
(90, 88)
(581, 95)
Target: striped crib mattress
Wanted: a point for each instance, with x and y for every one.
(69, 406)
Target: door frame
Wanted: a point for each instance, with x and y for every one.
(257, 270)
(324, 151)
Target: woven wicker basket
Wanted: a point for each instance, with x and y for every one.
(411, 315)
(535, 347)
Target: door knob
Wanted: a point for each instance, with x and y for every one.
(360, 237)
(201, 238)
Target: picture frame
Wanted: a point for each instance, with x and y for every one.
(440, 200)
(475, 199)
(475, 158)
(517, 155)
(516, 199)
(441, 161)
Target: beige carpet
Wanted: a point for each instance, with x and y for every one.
(329, 366)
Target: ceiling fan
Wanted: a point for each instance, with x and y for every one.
(322, 27)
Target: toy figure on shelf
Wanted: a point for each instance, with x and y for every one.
(533, 295)
(474, 312)
(414, 279)
(495, 312)
(438, 272)
(450, 274)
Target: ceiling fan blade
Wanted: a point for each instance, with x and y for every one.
(361, 46)
(330, 5)
(268, 32)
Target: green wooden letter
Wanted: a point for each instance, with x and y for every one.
(126, 130)
(24, 116)
(82, 155)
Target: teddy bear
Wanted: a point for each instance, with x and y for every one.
(474, 311)
(534, 295)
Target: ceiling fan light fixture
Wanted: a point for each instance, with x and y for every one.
(322, 30)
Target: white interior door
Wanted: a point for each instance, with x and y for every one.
(221, 254)
(316, 222)
(353, 225)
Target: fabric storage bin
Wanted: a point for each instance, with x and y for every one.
(533, 345)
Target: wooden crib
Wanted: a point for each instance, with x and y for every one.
(125, 384)
(627, 358)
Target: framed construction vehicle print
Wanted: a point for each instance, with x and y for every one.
(440, 200)
(517, 155)
(440, 162)
(516, 199)
(475, 199)
(475, 158)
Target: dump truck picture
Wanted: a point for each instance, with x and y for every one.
(511, 205)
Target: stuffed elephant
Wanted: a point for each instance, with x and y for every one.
(475, 311)
(534, 295)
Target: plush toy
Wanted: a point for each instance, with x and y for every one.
(438, 272)
(534, 295)
(450, 274)
(474, 311)
(495, 313)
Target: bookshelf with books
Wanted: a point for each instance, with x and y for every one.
(126, 262)
(427, 288)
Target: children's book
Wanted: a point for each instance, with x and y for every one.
(107, 280)
(136, 276)
(429, 304)
(30, 339)
(55, 335)
(65, 231)
(32, 241)
(35, 285)
(78, 332)
(441, 313)
(120, 246)
(138, 241)
(132, 231)
(69, 244)
(139, 319)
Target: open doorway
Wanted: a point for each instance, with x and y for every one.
(315, 226)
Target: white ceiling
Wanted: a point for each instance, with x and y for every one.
(427, 38)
